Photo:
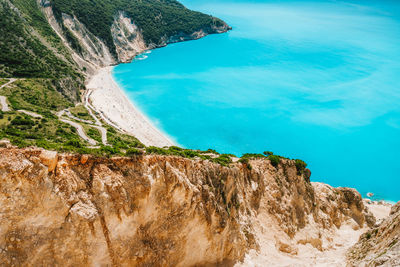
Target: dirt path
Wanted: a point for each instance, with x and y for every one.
(103, 132)
(8, 83)
(32, 114)
(80, 131)
(3, 99)
(89, 107)
(3, 103)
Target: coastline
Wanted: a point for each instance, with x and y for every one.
(110, 101)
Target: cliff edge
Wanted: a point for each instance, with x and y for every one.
(152, 210)
(379, 246)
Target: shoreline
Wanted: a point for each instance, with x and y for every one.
(110, 101)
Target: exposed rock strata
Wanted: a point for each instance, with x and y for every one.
(127, 38)
(379, 246)
(155, 210)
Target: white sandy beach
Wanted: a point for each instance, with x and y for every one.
(110, 101)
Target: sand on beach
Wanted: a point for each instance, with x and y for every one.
(105, 96)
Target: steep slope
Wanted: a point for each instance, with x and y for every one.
(38, 36)
(379, 246)
(29, 48)
(79, 210)
(49, 48)
(158, 22)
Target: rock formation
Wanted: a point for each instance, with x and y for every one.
(151, 210)
(379, 246)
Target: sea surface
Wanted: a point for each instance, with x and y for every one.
(315, 80)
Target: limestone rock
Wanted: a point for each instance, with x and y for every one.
(379, 246)
(5, 143)
(49, 158)
(150, 210)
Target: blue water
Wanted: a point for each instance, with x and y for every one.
(315, 80)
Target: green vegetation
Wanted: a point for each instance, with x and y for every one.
(173, 150)
(133, 152)
(252, 156)
(222, 159)
(3, 81)
(29, 48)
(158, 19)
(23, 130)
(275, 160)
(81, 112)
(122, 141)
(93, 133)
(268, 153)
(37, 95)
(300, 166)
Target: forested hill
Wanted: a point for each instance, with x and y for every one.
(157, 19)
(30, 47)
(48, 48)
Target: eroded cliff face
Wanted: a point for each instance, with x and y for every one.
(79, 210)
(94, 50)
(379, 246)
(127, 38)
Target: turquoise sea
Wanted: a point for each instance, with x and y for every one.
(315, 80)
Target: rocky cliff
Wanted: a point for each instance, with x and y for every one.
(379, 246)
(94, 45)
(151, 210)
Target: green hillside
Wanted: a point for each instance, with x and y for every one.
(40, 82)
(29, 48)
(156, 18)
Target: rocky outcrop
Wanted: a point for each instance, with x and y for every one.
(127, 38)
(79, 210)
(94, 50)
(379, 246)
(221, 28)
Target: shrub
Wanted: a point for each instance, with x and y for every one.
(252, 156)
(268, 153)
(133, 152)
(223, 159)
(73, 143)
(190, 153)
(60, 131)
(211, 151)
(22, 121)
(246, 162)
(109, 150)
(156, 150)
(300, 166)
(275, 160)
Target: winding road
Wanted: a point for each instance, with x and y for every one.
(80, 131)
(3, 99)
(77, 126)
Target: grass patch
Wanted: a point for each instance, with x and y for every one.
(121, 141)
(3, 81)
(93, 133)
(81, 112)
(37, 95)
